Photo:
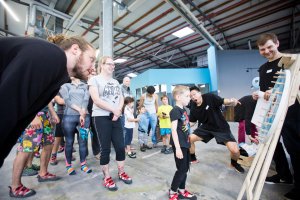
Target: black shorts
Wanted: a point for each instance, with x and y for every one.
(221, 137)
(58, 129)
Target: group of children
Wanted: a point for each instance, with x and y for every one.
(163, 115)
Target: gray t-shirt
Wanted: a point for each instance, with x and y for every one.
(74, 95)
(109, 91)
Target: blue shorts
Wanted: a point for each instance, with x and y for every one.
(165, 131)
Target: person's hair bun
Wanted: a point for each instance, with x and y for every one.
(56, 39)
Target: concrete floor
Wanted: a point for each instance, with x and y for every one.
(152, 173)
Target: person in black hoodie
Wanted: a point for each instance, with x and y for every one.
(243, 114)
(31, 73)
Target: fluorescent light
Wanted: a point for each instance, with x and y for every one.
(132, 75)
(183, 32)
(120, 60)
(202, 86)
(9, 10)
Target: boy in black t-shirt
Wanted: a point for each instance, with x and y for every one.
(180, 144)
(213, 124)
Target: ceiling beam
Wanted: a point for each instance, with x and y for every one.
(190, 18)
(152, 40)
(210, 21)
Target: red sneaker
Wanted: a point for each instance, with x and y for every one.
(194, 161)
(53, 160)
(186, 195)
(37, 155)
(21, 192)
(125, 178)
(60, 149)
(110, 184)
(47, 177)
(173, 196)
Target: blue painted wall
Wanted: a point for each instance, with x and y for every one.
(227, 73)
(170, 77)
(234, 80)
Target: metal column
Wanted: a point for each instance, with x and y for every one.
(106, 32)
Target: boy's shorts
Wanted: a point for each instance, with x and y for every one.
(165, 131)
(32, 138)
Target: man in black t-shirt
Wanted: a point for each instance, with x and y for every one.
(31, 73)
(207, 111)
(268, 47)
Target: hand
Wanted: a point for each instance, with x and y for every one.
(253, 139)
(255, 95)
(117, 112)
(82, 120)
(55, 119)
(235, 101)
(267, 95)
(115, 118)
(179, 154)
(36, 123)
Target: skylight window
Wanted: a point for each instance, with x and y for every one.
(183, 32)
(120, 60)
(132, 75)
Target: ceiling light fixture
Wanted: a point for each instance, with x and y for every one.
(132, 75)
(120, 60)
(9, 10)
(183, 32)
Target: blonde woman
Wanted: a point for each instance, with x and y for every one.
(108, 102)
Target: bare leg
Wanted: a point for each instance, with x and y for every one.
(194, 138)
(164, 138)
(30, 159)
(128, 150)
(56, 144)
(18, 166)
(234, 150)
(121, 166)
(105, 170)
(45, 158)
(168, 140)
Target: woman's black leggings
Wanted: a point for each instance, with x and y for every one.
(108, 132)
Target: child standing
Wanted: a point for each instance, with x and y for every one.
(129, 124)
(163, 114)
(180, 144)
(143, 128)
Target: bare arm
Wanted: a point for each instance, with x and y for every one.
(59, 100)
(53, 114)
(156, 102)
(142, 99)
(175, 139)
(231, 102)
